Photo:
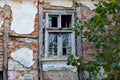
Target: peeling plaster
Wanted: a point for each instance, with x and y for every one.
(24, 56)
(23, 14)
(69, 3)
(64, 3)
(58, 66)
(23, 17)
(2, 3)
(88, 3)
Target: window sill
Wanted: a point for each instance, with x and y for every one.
(57, 64)
(63, 58)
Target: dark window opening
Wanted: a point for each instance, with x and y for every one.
(64, 51)
(66, 21)
(1, 75)
(53, 21)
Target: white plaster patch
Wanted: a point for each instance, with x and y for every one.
(2, 3)
(90, 4)
(23, 15)
(64, 3)
(58, 66)
(24, 56)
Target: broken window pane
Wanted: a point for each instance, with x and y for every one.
(52, 44)
(66, 44)
(53, 21)
(66, 21)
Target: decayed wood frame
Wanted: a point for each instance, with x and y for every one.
(5, 66)
(59, 11)
(59, 29)
(6, 38)
(69, 31)
(79, 42)
(40, 41)
(79, 38)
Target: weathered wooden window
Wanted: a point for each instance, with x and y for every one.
(66, 21)
(59, 37)
(55, 44)
(66, 44)
(53, 20)
(1, 75)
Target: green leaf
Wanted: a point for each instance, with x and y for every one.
(114, 65)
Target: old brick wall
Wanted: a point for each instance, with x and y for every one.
(87, 48)
(1, 55)
(16, 70)
(2, 13)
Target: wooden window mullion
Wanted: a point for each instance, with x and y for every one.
(47, 20)
(46, 43)
(59, 45)
(59, 21)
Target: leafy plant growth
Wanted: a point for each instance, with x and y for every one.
(103, 31)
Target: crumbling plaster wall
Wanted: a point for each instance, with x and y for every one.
(59, 70)
(1, 37)
(23, 37)
(24, 34)
(69, 3)
(52, 70)
(24, 23)
(63, 74)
